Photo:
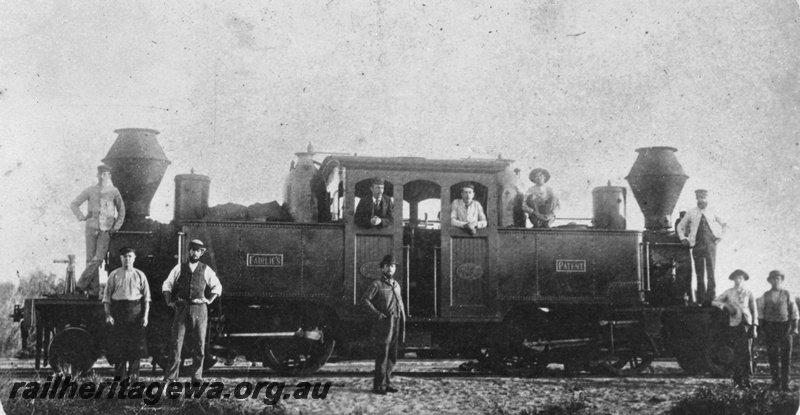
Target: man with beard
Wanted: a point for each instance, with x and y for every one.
(184, 291)
(702, 230)
(127, 304)
(383, 302)
(105, 215)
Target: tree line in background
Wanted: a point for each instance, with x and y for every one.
(34, 285)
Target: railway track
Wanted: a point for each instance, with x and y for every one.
(412, 368)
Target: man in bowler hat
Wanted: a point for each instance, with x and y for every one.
(701, 229)
(185, 292)
(383, 302)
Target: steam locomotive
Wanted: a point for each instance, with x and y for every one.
(594, 297)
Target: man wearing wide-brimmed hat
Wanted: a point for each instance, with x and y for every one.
(540, 202)
(185, 292)
(383, 302)
(105, 215)
(743, 320)
(777, 310)
(701, 229)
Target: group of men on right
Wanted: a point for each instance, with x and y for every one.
(776, 311)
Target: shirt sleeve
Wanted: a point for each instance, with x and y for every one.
(145, 287)
(793, 311)
(120, 204)
(213, 281)
(75, 206)
(753, 309)
(454, 215)
(170, 281)
(482, 222)
(760, 305)
(110, 284)
(721, 300)
(682, 227)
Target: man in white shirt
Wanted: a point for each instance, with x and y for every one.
(184, 291)
(467, 213)
(702, 230)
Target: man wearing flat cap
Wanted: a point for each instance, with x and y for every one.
(185, 292)
(383, 303)
(376, 211)
(127, 305)
(105, 215)
(701, 229)
(777, 311)
(467, 213)
(540, 202)
(743, 320)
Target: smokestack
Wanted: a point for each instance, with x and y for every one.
(138, 164)
(657, 179)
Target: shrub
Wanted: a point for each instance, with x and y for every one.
(36, 284)
(724, 400)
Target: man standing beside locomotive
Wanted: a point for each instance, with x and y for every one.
(741, 306)
(184, 291)
(383, 302)
(702, 230)
(127, 305)
(376, 211)
(467, 213)
(101, 221)
(778, 313)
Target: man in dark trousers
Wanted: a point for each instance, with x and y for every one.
(777, 311)
(702, 230)
(184, 291)
(127, 305)
(383, 302)
(377, 211)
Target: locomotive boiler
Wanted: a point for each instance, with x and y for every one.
(594, 297)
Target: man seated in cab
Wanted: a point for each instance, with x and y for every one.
(467, 213)
(377, 211)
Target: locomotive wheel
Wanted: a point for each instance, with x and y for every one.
(633, 360)
(508, 360)
(72, 352)
(297, 357)
(692, 365)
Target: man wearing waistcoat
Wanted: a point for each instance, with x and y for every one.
(185, 292)
(778, 313)
(702, 230)
(383, 302)
(377, 210)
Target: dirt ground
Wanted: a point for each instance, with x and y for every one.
(434, 387)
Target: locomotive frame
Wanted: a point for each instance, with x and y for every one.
(515, 298)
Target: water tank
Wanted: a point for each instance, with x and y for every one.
(191, 196)
(138, 164)
(609, 206)
(657, 179)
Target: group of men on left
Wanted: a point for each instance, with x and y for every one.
(187, 291)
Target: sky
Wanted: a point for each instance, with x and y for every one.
(236, 88)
